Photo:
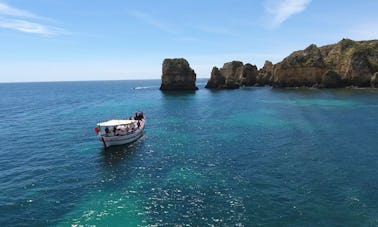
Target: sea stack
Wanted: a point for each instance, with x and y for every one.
(177, 76)
(233, 75)
(265, 74)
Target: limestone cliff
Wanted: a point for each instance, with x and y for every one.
(331, 79)
(354, 61)
(265, 74)
(347, 63)
(177, 75)
(233, 75)
(374, 80)
(301, 68)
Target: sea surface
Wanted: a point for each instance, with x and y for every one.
(248, 157)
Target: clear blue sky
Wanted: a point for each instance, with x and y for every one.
(64, 40)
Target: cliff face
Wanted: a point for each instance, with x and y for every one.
(374, 80)
(347, 63)
(354, 61)
(331, 80)
(265, 74)
(301, 68)
(177, 75)
(232, 75)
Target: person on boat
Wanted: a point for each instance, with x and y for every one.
(121, 130)
(138, 116)
(128, 129)
(138, 123)
(107, 131)
(115, 130)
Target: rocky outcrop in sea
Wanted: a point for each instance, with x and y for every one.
(346, 63)
(233, 75)
(177, 76)
(265, 74)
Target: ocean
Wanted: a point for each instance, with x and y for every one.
(247, 157)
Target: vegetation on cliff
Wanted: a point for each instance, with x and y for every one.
(346, 63)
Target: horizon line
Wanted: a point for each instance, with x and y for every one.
(65, 81)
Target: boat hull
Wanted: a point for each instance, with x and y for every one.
(122, 140)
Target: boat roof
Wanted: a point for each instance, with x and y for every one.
(115, 122)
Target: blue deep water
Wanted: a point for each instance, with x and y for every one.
(248, 157)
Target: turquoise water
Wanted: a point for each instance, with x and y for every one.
(253, 156)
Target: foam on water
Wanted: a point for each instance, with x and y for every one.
(146, 87)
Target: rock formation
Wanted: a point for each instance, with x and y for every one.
(354, 61)
(233, 75)
(217, 80)
(265, 74)
(177, 75)
(331, 79)
(301, 68)
(226, 77)
(249, 76)
(374, 80)
(346, 63)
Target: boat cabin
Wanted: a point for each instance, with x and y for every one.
(117, 127)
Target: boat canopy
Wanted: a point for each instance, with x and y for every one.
(115, 122)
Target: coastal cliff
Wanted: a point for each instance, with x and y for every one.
(301, 68)
(346, 63)
(177, 76)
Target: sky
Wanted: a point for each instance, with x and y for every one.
(71, 40)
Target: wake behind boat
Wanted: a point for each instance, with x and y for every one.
(120, 131)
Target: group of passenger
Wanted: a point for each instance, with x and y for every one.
(121, 130)
(137, 116)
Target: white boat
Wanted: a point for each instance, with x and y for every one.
(119, 132)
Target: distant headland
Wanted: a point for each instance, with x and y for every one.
(344, 64)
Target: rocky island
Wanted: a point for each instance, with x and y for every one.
(177, 75)
(347, 63)
(233, 75)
